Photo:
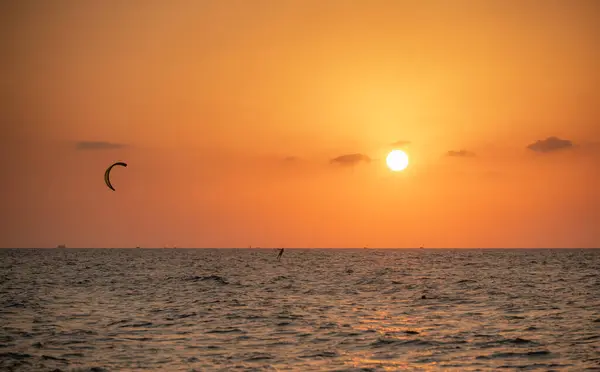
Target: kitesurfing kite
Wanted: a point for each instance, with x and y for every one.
(107, 174)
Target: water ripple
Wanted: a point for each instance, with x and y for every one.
(342, 310)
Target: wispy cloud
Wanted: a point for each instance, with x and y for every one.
(98, 145)
(400, 143)
(550, 144)
(291, 159)
(461, 153)
(350, 159)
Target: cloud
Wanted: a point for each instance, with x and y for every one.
(400, 143)
(550, 144)
(290, 161)
(98, 145)
(350, 159)
(461, 154)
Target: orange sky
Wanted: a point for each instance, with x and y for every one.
(212, 97)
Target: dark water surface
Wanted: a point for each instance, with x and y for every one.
(204, 310)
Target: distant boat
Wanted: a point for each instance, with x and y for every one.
(61, 246)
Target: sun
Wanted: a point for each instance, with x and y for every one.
(397, 160)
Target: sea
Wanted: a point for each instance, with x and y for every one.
(314, 310)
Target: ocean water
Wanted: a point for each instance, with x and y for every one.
(330, 310)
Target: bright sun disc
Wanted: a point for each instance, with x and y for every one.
(397, 160)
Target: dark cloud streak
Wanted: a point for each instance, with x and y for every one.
(350, 159)
(461, 154)
(550, 144)
(98, 145)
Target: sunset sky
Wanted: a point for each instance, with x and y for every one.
(230, 112)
